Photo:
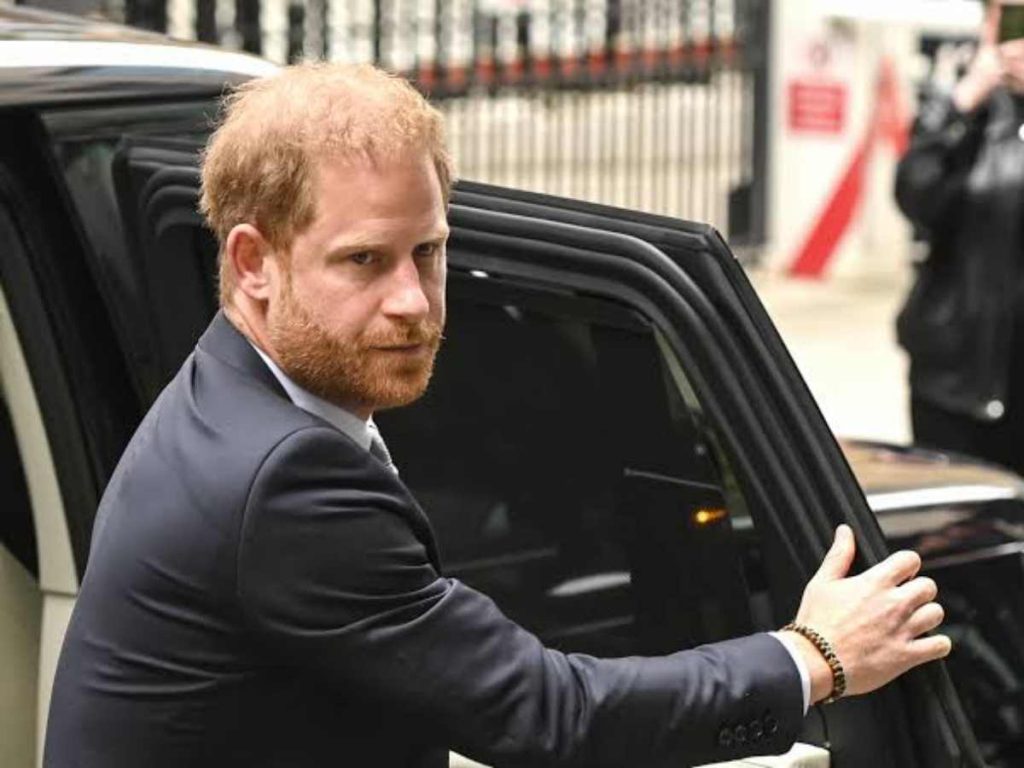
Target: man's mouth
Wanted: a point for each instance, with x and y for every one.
(403, 348)
(414, 342)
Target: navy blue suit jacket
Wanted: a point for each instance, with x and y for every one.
(263, 592)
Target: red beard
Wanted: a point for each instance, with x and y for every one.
(357, 374)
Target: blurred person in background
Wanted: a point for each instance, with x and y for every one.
(961, 183)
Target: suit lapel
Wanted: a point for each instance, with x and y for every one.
(225, 342)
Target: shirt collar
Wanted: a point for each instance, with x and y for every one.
(349, 423)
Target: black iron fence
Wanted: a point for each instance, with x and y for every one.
(658, 105)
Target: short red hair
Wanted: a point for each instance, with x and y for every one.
(259, 165)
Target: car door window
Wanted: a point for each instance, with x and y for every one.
(568, 478)
(144, 268)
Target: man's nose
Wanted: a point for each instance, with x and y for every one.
(406, 297)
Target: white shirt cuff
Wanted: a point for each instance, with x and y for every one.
(801, 667)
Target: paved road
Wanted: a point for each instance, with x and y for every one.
(840, 332)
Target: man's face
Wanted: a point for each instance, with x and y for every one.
(358, 313)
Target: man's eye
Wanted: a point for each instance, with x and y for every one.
(427, 249)
(362, 258)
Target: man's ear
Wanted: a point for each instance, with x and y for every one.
(250, 255)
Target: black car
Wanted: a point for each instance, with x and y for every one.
(617, 446)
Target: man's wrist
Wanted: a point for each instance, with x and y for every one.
(818, 670)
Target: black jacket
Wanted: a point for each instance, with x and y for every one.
(962, 185)
(263, 592)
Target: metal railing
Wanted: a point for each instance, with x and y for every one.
(658, 105)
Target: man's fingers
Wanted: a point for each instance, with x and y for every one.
(925, 619)
(990, 28)
(930, 648)
(839, 557)
(896, 569)
(917, 592)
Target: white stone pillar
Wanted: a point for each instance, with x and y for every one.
(274, 29)
(181, 19)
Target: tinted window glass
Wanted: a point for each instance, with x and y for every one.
(568, 478)
(90, 148)
(86, 143)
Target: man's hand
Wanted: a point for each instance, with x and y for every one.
(873, 620)
(986, 73)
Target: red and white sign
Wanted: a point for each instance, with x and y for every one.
(890, 125)
(817, 107)
(818, 86)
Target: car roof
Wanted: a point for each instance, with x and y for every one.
(51, 58)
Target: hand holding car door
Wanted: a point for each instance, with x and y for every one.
(874, 620)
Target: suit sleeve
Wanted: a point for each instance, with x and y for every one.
(333, 578)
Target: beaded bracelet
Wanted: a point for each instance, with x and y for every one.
(826, 650)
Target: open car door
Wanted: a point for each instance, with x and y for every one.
(617, 446)
(778, 465)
